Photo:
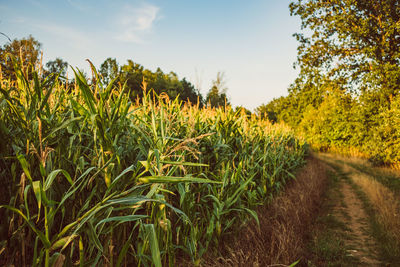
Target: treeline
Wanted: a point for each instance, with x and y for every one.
(28, 52)
(133, 74)
(346, 97)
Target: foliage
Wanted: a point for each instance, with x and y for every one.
(26, 51)
(109, 70)
(90, 177)
(346, 95)
(355, 43)
(134, 74)
(331, 123)
(57, 66)
(273, 109)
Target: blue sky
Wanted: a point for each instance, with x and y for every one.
(251, 41)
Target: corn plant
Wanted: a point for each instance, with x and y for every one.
(93, 177)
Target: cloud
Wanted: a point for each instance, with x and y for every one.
(69, 35)
(136, 22)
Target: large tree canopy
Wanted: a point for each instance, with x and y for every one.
(346, 97)
(109, 69)
(58, 66)
(26, 51)
(133, 74)
(354, 42)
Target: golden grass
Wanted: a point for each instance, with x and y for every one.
(341, 150)
(393, 169)
(384, 201)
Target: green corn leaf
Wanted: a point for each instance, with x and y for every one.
(86, 91)
(124, 250)
(114, 113)
(173, 179)
(37, 87)
(79, 108)
(41, 236)
(152, 237)
(63, 242)
(115, 181)
(139, 200)
(50, 178)
(122, 219)
(94, 237)
(49, 90)
(253, 214)
(35, 249)
(234, 197)
(184, 163)
(36, 185)
(294, 263)
(62, 126)
(25, 167)
(26, 200)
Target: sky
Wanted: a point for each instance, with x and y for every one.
(250, 41)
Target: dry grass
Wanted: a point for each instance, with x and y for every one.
(281, 238)
(388, 176)
(348, 151)
(354, 159)
(393, 169)
(384, 201)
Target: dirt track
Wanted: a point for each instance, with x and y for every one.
(350, 211)
(362, 245)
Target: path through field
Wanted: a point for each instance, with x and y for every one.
(361, 244)
(353, 235)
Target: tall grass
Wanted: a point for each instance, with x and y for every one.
(92, 177)
(386, 205)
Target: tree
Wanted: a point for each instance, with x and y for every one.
(271, 110)
(216, 97)
(109, 69)
(133, 75)
(191, 93)
(26, 52)
(347, 93)
(356, 43)
(57, 66)
(331, 124)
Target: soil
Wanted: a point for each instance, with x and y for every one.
(364, 247)
(361, 245)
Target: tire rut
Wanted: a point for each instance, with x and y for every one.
(361, 244)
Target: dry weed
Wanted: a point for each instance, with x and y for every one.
(384, 202)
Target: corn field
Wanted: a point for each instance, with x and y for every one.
(90, 177)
